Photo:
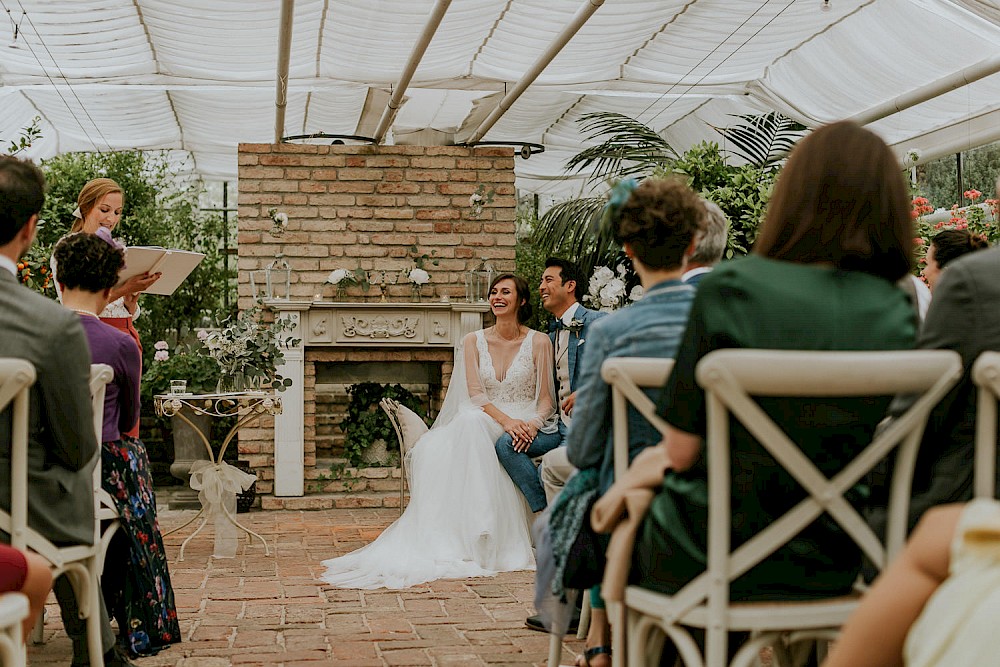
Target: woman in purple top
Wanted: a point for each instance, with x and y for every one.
(135, 582)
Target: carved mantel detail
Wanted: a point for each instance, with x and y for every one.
(379, 326)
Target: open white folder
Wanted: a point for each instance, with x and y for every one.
(175, 265)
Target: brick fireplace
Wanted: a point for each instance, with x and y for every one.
(378, 209)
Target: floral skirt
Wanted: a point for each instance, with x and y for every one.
(136, 582)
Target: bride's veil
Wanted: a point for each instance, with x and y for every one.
(457, 398)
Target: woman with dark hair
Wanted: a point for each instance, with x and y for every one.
(947, 246)
(135, 582)
(837, 237)
(466, 518)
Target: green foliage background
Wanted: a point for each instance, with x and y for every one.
(937, 180)
(367, 422)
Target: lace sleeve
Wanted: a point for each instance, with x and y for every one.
(545, 390)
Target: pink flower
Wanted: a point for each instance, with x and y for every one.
(972, 194)
(161, 355)
(919, 241)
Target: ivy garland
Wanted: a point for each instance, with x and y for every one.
(366, 422)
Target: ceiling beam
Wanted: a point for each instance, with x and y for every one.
(959, 79)
(392, 108)
(562, 39)
(284, 56)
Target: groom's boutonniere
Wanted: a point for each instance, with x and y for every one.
(575, 326)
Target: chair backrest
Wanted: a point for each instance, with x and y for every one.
(626, 376)
(16, 378)
(731, 377)
(407, 424)
(986, 376)
(105, 508)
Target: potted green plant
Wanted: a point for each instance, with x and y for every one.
(367, 430)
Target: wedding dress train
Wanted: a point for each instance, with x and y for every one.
(465, 518)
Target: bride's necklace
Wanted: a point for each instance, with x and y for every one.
(496, 330)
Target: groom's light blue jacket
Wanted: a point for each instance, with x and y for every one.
(577, 345)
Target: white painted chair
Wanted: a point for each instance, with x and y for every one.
(409, 427)
(81, 563)
(986, 376)
(16, 378)
(626, 376)
(14, 609)
(731, 378)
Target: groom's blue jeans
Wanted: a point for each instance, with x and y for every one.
(522, 469)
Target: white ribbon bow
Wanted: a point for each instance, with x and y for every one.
(217, 485)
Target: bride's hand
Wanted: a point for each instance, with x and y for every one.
(521, 432)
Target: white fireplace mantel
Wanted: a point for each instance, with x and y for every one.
(329, 324)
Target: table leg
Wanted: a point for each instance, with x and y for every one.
(204, 520)
(267, 550)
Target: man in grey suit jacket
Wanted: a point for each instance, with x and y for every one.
(62, 446)
(561, 288)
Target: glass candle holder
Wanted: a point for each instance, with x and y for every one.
(178, 386)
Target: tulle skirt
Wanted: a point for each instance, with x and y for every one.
(465, 518)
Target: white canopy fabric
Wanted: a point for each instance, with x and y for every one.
(199, 76)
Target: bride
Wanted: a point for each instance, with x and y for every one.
(466, 518)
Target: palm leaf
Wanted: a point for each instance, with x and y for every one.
(763, 139)
(571, 228)
(629, 147)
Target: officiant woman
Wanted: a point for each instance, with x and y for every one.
(99, 205)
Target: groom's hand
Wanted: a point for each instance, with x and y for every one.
(567, 405)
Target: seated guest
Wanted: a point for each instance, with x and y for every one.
(947, 246)
(26, 572)
(936, 604)
(62, 447)
(963, 316)
(837, 237)
(658, 225)
(711, 244)
(136, 583)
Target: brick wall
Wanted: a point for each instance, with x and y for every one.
(367, 206)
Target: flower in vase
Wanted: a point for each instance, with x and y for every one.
(280, 220)
(337, 276)
(418, 276)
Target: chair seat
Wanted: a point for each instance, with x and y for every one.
(752, 616)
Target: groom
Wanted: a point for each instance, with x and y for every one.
(560, 289)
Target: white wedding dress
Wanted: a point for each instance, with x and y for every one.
(465, 518)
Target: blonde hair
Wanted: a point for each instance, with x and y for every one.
(93, 192)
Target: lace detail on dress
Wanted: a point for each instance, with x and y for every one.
(518, 385)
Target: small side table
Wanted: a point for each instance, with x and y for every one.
(245, 406)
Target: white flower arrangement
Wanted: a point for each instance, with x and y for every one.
(607, 290)
(279, 220)
(913, 156)
(162, 353)
(480, 198)
(418, 276)
(337, 276)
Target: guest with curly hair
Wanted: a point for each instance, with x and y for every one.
(99, 206)
(135, 583)
(946, 246)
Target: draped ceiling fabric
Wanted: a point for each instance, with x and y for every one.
(199, 76)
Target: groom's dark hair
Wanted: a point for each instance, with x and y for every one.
(568, 271)
(524, 311)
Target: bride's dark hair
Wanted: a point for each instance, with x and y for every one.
(523, 295)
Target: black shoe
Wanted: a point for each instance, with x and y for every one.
(535, 623)
(116, 657)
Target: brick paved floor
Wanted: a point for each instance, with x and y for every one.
(272, 610)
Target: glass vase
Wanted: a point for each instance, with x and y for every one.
(415, 290)
(232, 383)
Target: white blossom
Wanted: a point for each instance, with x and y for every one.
(336, 276)
(161, 355)
(281, 219)
(419, 276)
(161, 345)
(636, 293)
